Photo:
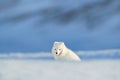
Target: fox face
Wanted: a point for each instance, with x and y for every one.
(57, 49)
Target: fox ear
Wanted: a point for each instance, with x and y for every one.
(58, 43)
(55, 43)
(62, 43)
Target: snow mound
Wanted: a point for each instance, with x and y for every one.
(103, 54)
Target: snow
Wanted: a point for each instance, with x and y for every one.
(56, 70)
(84, 55)
(28, 29)
(95, 65)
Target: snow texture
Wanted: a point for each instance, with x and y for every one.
(95, 65)
(84, 55)
(55, 70)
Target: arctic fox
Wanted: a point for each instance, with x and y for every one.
(61, 52)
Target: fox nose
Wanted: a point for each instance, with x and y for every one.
(56, 53)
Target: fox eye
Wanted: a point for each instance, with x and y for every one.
(59, 49)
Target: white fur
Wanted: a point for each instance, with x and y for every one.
(61, 52)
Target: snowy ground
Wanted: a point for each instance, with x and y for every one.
(84, 55)
(95, 65)
(55, 70)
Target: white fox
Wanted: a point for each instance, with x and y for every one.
(61, 52)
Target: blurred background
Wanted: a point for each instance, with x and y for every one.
(33, 25)
(28, 29)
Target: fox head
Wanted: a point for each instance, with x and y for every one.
(58, 48)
